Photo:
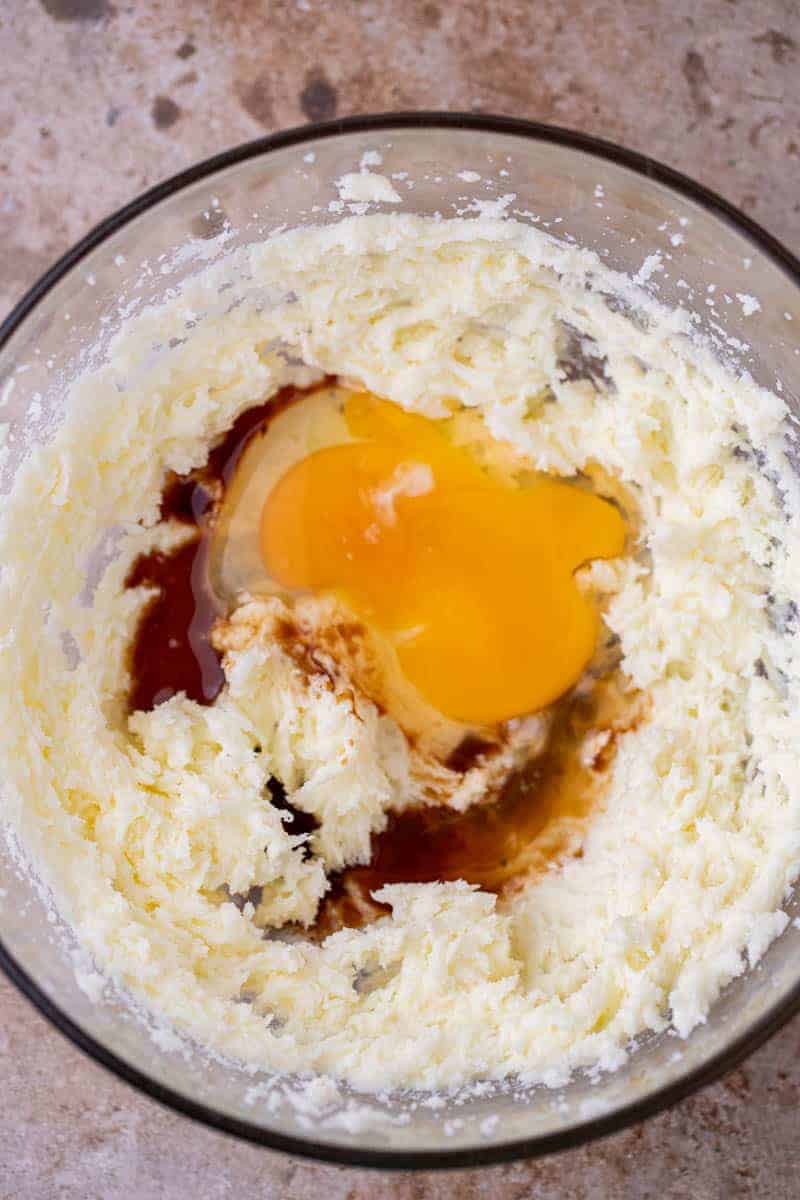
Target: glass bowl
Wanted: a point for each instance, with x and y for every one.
(620, 204)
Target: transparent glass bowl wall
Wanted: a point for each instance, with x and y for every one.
(625, 209)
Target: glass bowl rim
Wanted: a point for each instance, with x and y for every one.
(532, 1147)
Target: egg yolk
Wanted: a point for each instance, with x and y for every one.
(471, 577)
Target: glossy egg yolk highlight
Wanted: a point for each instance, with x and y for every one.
(471, 577)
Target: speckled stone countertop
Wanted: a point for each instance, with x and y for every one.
(101, 99)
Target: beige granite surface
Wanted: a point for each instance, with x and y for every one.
(100, 99)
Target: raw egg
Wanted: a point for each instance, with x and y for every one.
(468, 573)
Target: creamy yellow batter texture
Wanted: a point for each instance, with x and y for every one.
(141, 823)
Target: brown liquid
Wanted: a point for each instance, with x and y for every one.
(533, 822)
(468, 752)
(172, 649)
(172, 652)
